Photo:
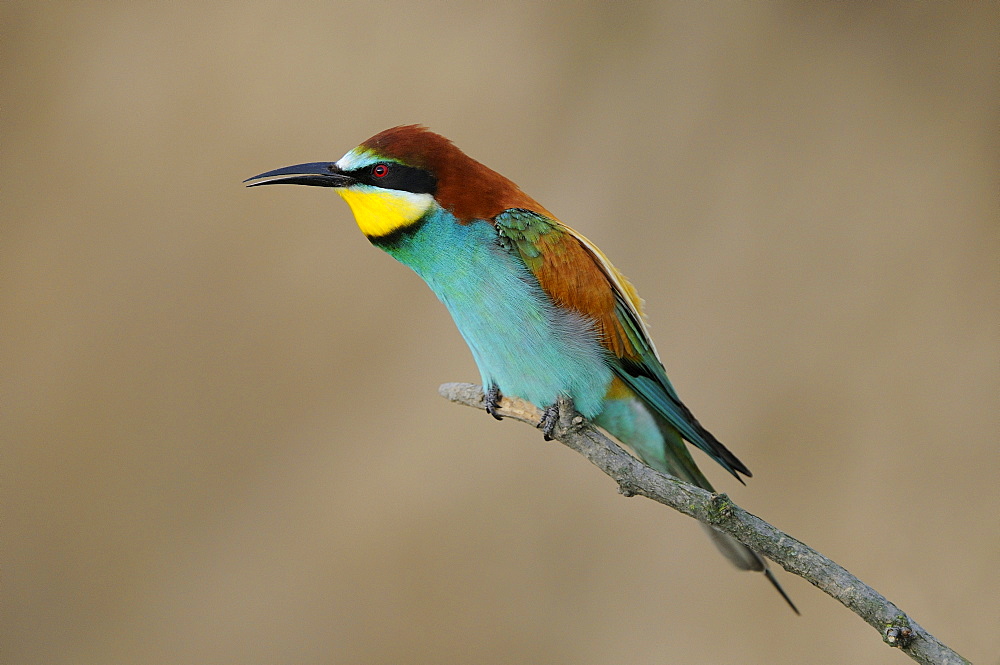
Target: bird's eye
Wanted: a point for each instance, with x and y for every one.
(380, 170)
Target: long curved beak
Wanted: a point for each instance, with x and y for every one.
(317, 174)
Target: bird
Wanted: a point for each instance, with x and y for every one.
(543, 311)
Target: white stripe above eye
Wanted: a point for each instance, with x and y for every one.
(358, 158)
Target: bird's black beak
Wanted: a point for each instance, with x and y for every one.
(318, 174)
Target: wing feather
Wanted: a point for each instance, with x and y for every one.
(577, 275)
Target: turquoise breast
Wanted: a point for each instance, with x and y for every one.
(521, 341)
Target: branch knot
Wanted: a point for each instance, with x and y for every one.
(898, 636)
(720, 508)
(625, 487)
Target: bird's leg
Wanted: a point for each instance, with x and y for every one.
(550, 418)
(493, 401)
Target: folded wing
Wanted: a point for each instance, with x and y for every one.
(577, 276)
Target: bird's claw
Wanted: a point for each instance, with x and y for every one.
(493, 402)
(550, 417)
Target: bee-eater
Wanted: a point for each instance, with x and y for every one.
(543, 311)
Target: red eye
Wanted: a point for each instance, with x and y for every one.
(380, 170)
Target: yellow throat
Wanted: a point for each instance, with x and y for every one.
(379, 212)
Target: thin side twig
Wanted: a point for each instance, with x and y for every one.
(635, 478)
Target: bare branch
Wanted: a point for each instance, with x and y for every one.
(634, 478)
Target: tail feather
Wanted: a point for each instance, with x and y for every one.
(657, 443)
(745, 558)
(679, 463)
(774, 581)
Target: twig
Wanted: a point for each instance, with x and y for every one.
(634, 478)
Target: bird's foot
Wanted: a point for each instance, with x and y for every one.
(493, 401)
(550, 418)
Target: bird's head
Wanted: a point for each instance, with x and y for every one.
(392, 180)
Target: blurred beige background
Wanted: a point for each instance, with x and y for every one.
(221, 438)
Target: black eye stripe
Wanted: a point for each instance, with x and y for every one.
(398, 176)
